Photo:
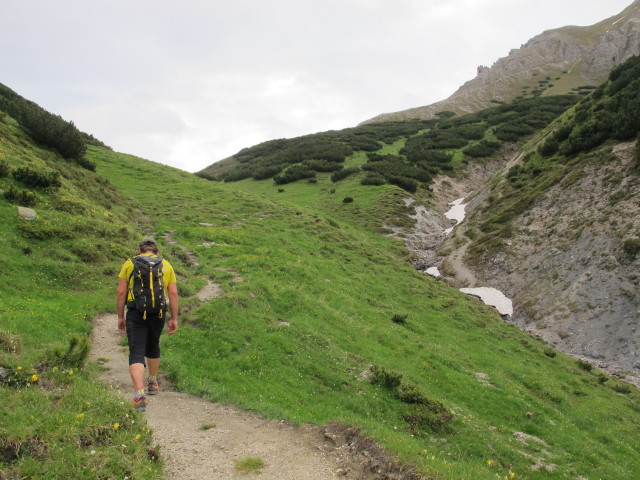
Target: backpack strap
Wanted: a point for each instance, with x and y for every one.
(129, 283)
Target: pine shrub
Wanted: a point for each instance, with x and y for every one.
(25, 198)
(385, 377)
(343, 173)
(373, 178)
(4, 168)
(37, 178)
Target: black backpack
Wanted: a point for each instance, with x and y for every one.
(147, 290)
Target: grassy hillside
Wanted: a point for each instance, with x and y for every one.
(406, 154)
(59, 273)
(329, 324)
(326, 306)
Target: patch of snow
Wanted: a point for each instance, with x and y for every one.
(433, 271)
(456, 212)
(492, 297)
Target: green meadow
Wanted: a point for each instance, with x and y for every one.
(329, 323)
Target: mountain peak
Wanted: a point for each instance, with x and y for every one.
(555, 62)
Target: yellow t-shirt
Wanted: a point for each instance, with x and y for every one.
(167, 272)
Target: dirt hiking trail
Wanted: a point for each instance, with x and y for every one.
(191, 452)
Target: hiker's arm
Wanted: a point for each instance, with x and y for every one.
(121, 300)
(172, 290)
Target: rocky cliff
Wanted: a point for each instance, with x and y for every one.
(555, 62)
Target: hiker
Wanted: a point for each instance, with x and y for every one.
(144, 324)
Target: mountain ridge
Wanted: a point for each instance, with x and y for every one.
(569, 56)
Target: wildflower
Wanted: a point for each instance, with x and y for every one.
(137, 437)
(116, 426)
(490, 463)
(34, 378)
(71, 372)
(80, 415)
(18, 367)
(511, 474)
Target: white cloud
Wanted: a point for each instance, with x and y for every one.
(189, 83)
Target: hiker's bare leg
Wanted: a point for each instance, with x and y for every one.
(137, 375)
(154, 364)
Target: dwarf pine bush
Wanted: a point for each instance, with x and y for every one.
(37, 178)
(20, 196)
(4, 168)
(384, 377)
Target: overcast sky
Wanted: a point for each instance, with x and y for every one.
(190, 82)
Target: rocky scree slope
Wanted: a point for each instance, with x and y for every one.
(566, 269)
(555, 62)
(555, 225)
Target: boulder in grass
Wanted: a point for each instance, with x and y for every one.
(27, 213)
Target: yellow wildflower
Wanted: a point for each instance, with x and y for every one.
(511, 474)
(70, 372)
(137, 437)
(34, 378)
(80, 415)
(490, 463)
(18, 367)
(116, 426)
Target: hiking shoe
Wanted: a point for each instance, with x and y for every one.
(139, 403)
(152, 387)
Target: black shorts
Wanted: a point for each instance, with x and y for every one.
(143, 336)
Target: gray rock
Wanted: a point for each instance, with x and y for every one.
(27, 213)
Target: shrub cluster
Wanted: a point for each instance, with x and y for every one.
(25, 198)
(37, 178)
(421, 412)
(484, 148)
(4, 168)
(385, 377)
(73, 355)
(397, 171)
(343, 173)
(399, 318)
(373, 178)
(610, 112)
(44, 127)
(319, 151)
(631, 247)
(293, 173)
(408, 184)
(322, 165)
(427, 150)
